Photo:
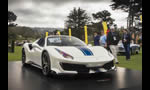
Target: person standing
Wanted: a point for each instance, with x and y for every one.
(126, 39)
(103, 39)
(112, 42)
(96, 39)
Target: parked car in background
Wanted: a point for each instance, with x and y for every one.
(19, 43)
(134, 48)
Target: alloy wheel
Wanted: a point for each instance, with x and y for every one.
(45, 65)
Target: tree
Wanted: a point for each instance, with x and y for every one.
(11, 38)
(100, 17)
(132, 6)
(76, 20)
(11, 34)
(125, 5)
(103, 16)
(11, 18)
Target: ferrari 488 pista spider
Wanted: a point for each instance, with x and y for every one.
(60, 54)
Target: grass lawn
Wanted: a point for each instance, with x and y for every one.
(134, 63)
(16, 56)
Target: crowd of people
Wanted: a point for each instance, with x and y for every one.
(111, 40)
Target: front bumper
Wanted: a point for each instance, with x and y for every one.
(76, 68)
(84, 69)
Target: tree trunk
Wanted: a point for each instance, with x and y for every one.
(132, 20)
(13, 46)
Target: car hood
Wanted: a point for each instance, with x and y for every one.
(94, 52)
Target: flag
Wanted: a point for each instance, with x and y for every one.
(141, 17)
(86, 36)
(46, 34)
(58, 32)
(69, 32)
(105, 27)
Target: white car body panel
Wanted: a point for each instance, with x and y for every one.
(100, 56)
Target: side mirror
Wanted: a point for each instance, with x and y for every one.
(89, 45)
(34, 45)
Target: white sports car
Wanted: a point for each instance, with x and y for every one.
(66, 55)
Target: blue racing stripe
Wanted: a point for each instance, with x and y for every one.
(86, 51)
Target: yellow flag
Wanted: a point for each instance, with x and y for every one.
(69, 32)
(141, 17)
(86, 36)
(58, 32)
(105, 27)
(46, 34)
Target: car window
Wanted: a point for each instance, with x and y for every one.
(64, 41)
(41, 42)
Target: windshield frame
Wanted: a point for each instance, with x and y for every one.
(63, 36)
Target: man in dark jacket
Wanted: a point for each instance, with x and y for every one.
(126, 39)
(96, 39)
(112, 42)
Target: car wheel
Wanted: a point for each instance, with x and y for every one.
(23, 57)
(45, 64)
(137, 52)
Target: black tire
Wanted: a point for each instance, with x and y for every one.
(137, 52)
(46, 64)
(23, 57)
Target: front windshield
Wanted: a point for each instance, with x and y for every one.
(64, 41)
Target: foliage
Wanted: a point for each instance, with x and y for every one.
(125, 5)
(77, 18)
(134, 7)
(11, 34)
(95, 27)
(103, 16)
(11, 18)
(22, 33)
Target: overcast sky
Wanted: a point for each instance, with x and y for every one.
(53, 13)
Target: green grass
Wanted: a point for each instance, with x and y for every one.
(16, 56)
(134, 63)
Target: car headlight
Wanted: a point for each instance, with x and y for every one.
(65, 55)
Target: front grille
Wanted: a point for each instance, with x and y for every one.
(74, 67)
(108, 65)
(83, 69)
